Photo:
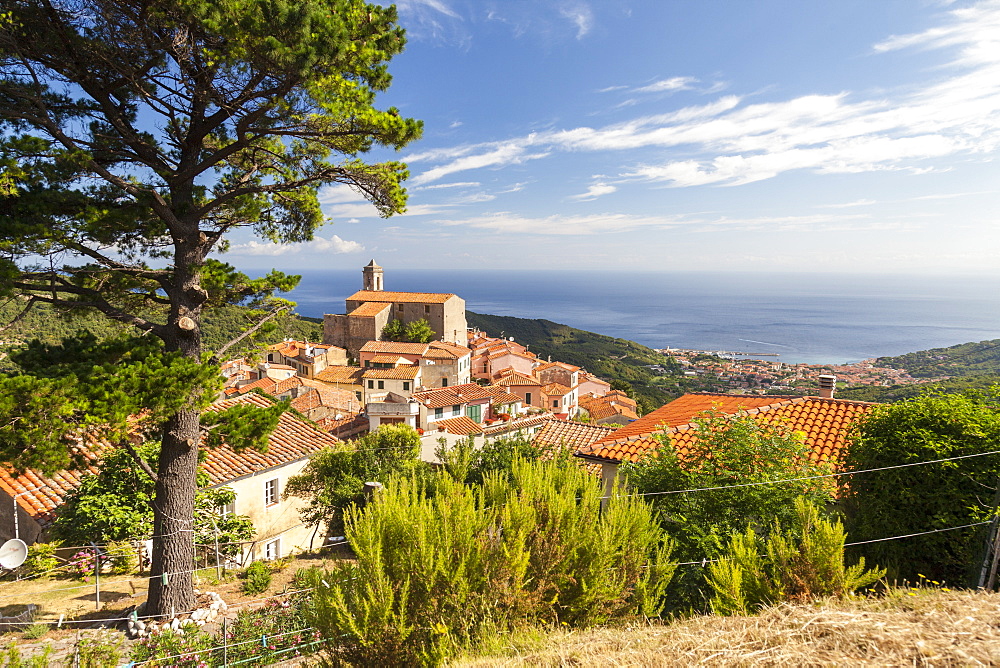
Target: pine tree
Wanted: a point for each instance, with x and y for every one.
(134, 136)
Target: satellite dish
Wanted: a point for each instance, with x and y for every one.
(13, 553)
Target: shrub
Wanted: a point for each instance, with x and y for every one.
(796, 565)
(41, 559)
(256, 578)
(193, 649)
(916, 499)
(436, 573)
(35, 631)
(123, 557)
(81, 565)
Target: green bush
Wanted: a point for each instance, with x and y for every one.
(256, 578)
(436, 573)
(797, 565)
(11, 658)
(41, 559)
(918, 499)
(123, 557)
(35, 631)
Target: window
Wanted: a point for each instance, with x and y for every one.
(272, 549)
(527, 397)
(475, 413)
(399, 307)
(406, 385)
(555, 403)
(438, 413)
(444, 382)
(357, 395)
(456, 410)
(371, 384)
(271, 492)
(381, 385)
(427, 308)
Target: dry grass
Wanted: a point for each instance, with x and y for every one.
(917, 627)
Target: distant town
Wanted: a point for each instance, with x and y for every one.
(722, 371)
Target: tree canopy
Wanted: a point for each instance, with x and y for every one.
(135, 136)
(917, 499)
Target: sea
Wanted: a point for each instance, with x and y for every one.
(804, 318)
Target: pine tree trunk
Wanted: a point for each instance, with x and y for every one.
(171, 584)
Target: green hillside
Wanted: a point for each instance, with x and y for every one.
(219, 326)
(966, 359)
(888, 395)
(609, 358)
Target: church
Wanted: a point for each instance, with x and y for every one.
(370, 309)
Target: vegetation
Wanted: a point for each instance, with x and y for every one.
(134, 137)
(916, 499)
(116, 504)
(256, 578)
(894, 393)
(418, 331)
(799, 564)
(334, 478)
(435, 574)
(966, 359)
(731, 452)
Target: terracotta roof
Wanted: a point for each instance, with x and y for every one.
(307, 401)
(454, 395)
(823, 423)
(398, 373)
(265, 384)
(286, 385)
(686, 408)
(561, 365)
(340, 374)
(611, 404)
(296, 348)
(556, 390)
(333, 397)
(462, 425)
(517, 424)
(389, 359)
(400, 297)
(516, 378)
(559, 435)
(368, 310)
(501, 396)
(444, 350)
(394, 347)
(275, 365)
(291, 440)
(42, 494)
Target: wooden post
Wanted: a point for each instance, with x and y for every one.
(97, 576)
(225, 643)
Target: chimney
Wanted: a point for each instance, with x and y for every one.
(827, 386)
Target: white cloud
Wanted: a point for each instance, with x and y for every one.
(848, 205)
(457, 184)
(595, 191)
(580, 16)
(668, 85)
(339, 194)
(333, 244)
(732, 142)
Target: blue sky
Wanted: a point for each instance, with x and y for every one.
(678, 135)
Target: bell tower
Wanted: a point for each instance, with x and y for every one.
(372, 274)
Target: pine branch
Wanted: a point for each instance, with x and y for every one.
(222, 351)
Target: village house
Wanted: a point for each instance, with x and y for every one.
(345, 378)
(307, 359)
(614, 407)
(824, 423)
(258, 480)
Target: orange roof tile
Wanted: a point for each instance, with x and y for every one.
(400, 297)
(389, 359)
(462, 425)
(368, 310)
(824, 424)
(394, 347)
(444, 350)
(340, 374)
(398, 373)
(561, 365)
(555, 390)
(454, 395)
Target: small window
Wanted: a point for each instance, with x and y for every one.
(444, 382)
(381, 385)
(406, 385)
(371, 385)
(456, 409)
(438, 413)
(555, 403)
(271, 492)
(357, 395)
(427, 308)
(399, 307)
(527, 397)
(272, 549)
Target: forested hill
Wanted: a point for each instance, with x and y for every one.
(966, 359)
(220, 325)
(607, 357)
